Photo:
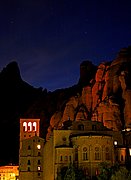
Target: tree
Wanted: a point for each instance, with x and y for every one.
(105, 171)
(121, 174)
(71, 173)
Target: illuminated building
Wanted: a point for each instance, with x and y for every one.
(9, 172)
(31, 150)
(83, 143)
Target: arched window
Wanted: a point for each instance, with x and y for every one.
(66, 158)
(85, 154)
(107, 151)
(24, 126)
(34, 126)
(29, 126)
(97, 153)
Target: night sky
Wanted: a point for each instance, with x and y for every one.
(50, 38)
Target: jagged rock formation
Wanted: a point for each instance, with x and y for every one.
(16, 96)
(106, 97)
(103, 93)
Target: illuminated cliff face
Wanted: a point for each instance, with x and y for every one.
(107, 98)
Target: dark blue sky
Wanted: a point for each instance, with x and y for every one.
(50, 38)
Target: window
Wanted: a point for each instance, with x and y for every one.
(38, 174)
(97, 153)
(29, 126)
(61, 158)
(38, 146)
(28, 168)
(107, 153)
(29, 148)
(34, 126)
(28, 162)
(115, 143)
(24, 126)
(38, 168)
(39, 154)
(85, 156)
(66, 158)
(39, 162)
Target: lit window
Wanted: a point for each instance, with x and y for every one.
(24, 126)
(115, 143)
(38, 168)
(29, 126)
(34, 126)
(130, 151)
(38, 146)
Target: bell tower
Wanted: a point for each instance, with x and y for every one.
(29, 128)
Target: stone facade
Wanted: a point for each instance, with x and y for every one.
(31, 150)
(85, 144)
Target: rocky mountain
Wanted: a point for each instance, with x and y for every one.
(105, 97)
(103, 93)
(16, 96)
(18, 100)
